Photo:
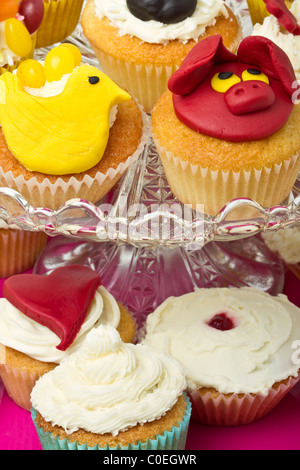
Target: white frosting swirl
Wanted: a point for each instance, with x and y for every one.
(108, 386)
(248, 358)
(289, 43)
(23, 334)
(285, 242)
(156, 32)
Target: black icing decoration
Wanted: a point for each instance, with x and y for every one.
(225, 75)
(94, 80)
(254, 71)
(164, 11)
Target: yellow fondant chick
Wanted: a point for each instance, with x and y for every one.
(63, 134)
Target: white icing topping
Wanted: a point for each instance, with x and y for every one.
(285, 242)
(289, 43)
(156, 32)
(250, 357)
(108, 386)
(29, 337)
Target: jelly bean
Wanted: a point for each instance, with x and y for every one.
(32, 74)
(33, 12)
(8, 9)
(76, 52)
(58, 62)
(17, 37)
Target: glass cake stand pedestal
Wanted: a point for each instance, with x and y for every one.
(144, 243)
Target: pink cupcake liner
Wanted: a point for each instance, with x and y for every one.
(237, 409)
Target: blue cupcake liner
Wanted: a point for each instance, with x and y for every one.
(170, 440)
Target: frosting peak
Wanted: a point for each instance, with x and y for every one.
(108, 386)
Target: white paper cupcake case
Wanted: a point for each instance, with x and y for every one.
(18, 383)
(196, 186)
(235, 410)
(52, 195)
(146, 82)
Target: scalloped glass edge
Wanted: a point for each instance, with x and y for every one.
(156, 218)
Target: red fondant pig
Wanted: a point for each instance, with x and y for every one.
(242, 97)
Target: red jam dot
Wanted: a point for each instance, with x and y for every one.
(221, 321)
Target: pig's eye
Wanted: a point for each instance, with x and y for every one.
(254, 74)
(222, 81)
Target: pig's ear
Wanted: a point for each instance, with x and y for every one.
(198, 63)
(284, 16)
(270, 59)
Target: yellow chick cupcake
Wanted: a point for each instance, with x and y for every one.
(139, 44)
(67, 130)
(112, 396)
(43, 319)
(19, 21)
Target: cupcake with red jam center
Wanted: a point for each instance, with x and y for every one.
(235, 346)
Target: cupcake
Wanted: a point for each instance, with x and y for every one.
(59, 21)
(139, 44)
(67, 131)
(44, 319)
(112, 396)
(286, 244)
(19, 22)
(258, 10)
(236, 348)
(283, 28)
(227, 127)
(19, 249)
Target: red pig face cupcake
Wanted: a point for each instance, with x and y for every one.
(227, 126)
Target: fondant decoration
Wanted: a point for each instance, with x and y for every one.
(17, 37)
(221, 321)
(31, 73)
(284, 16)
(21, 20)
(33, 13)
(8, 9)
(58, 62)
(62, 134)
(164, 11)
(59, 301)
(250, 109)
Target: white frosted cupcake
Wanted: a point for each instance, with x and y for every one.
(140, 44)
(286, 244)
(236, 347)
(112, 396)
(30, 345)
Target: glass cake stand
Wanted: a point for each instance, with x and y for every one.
(159, 247)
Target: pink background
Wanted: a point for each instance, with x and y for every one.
(279, 430)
